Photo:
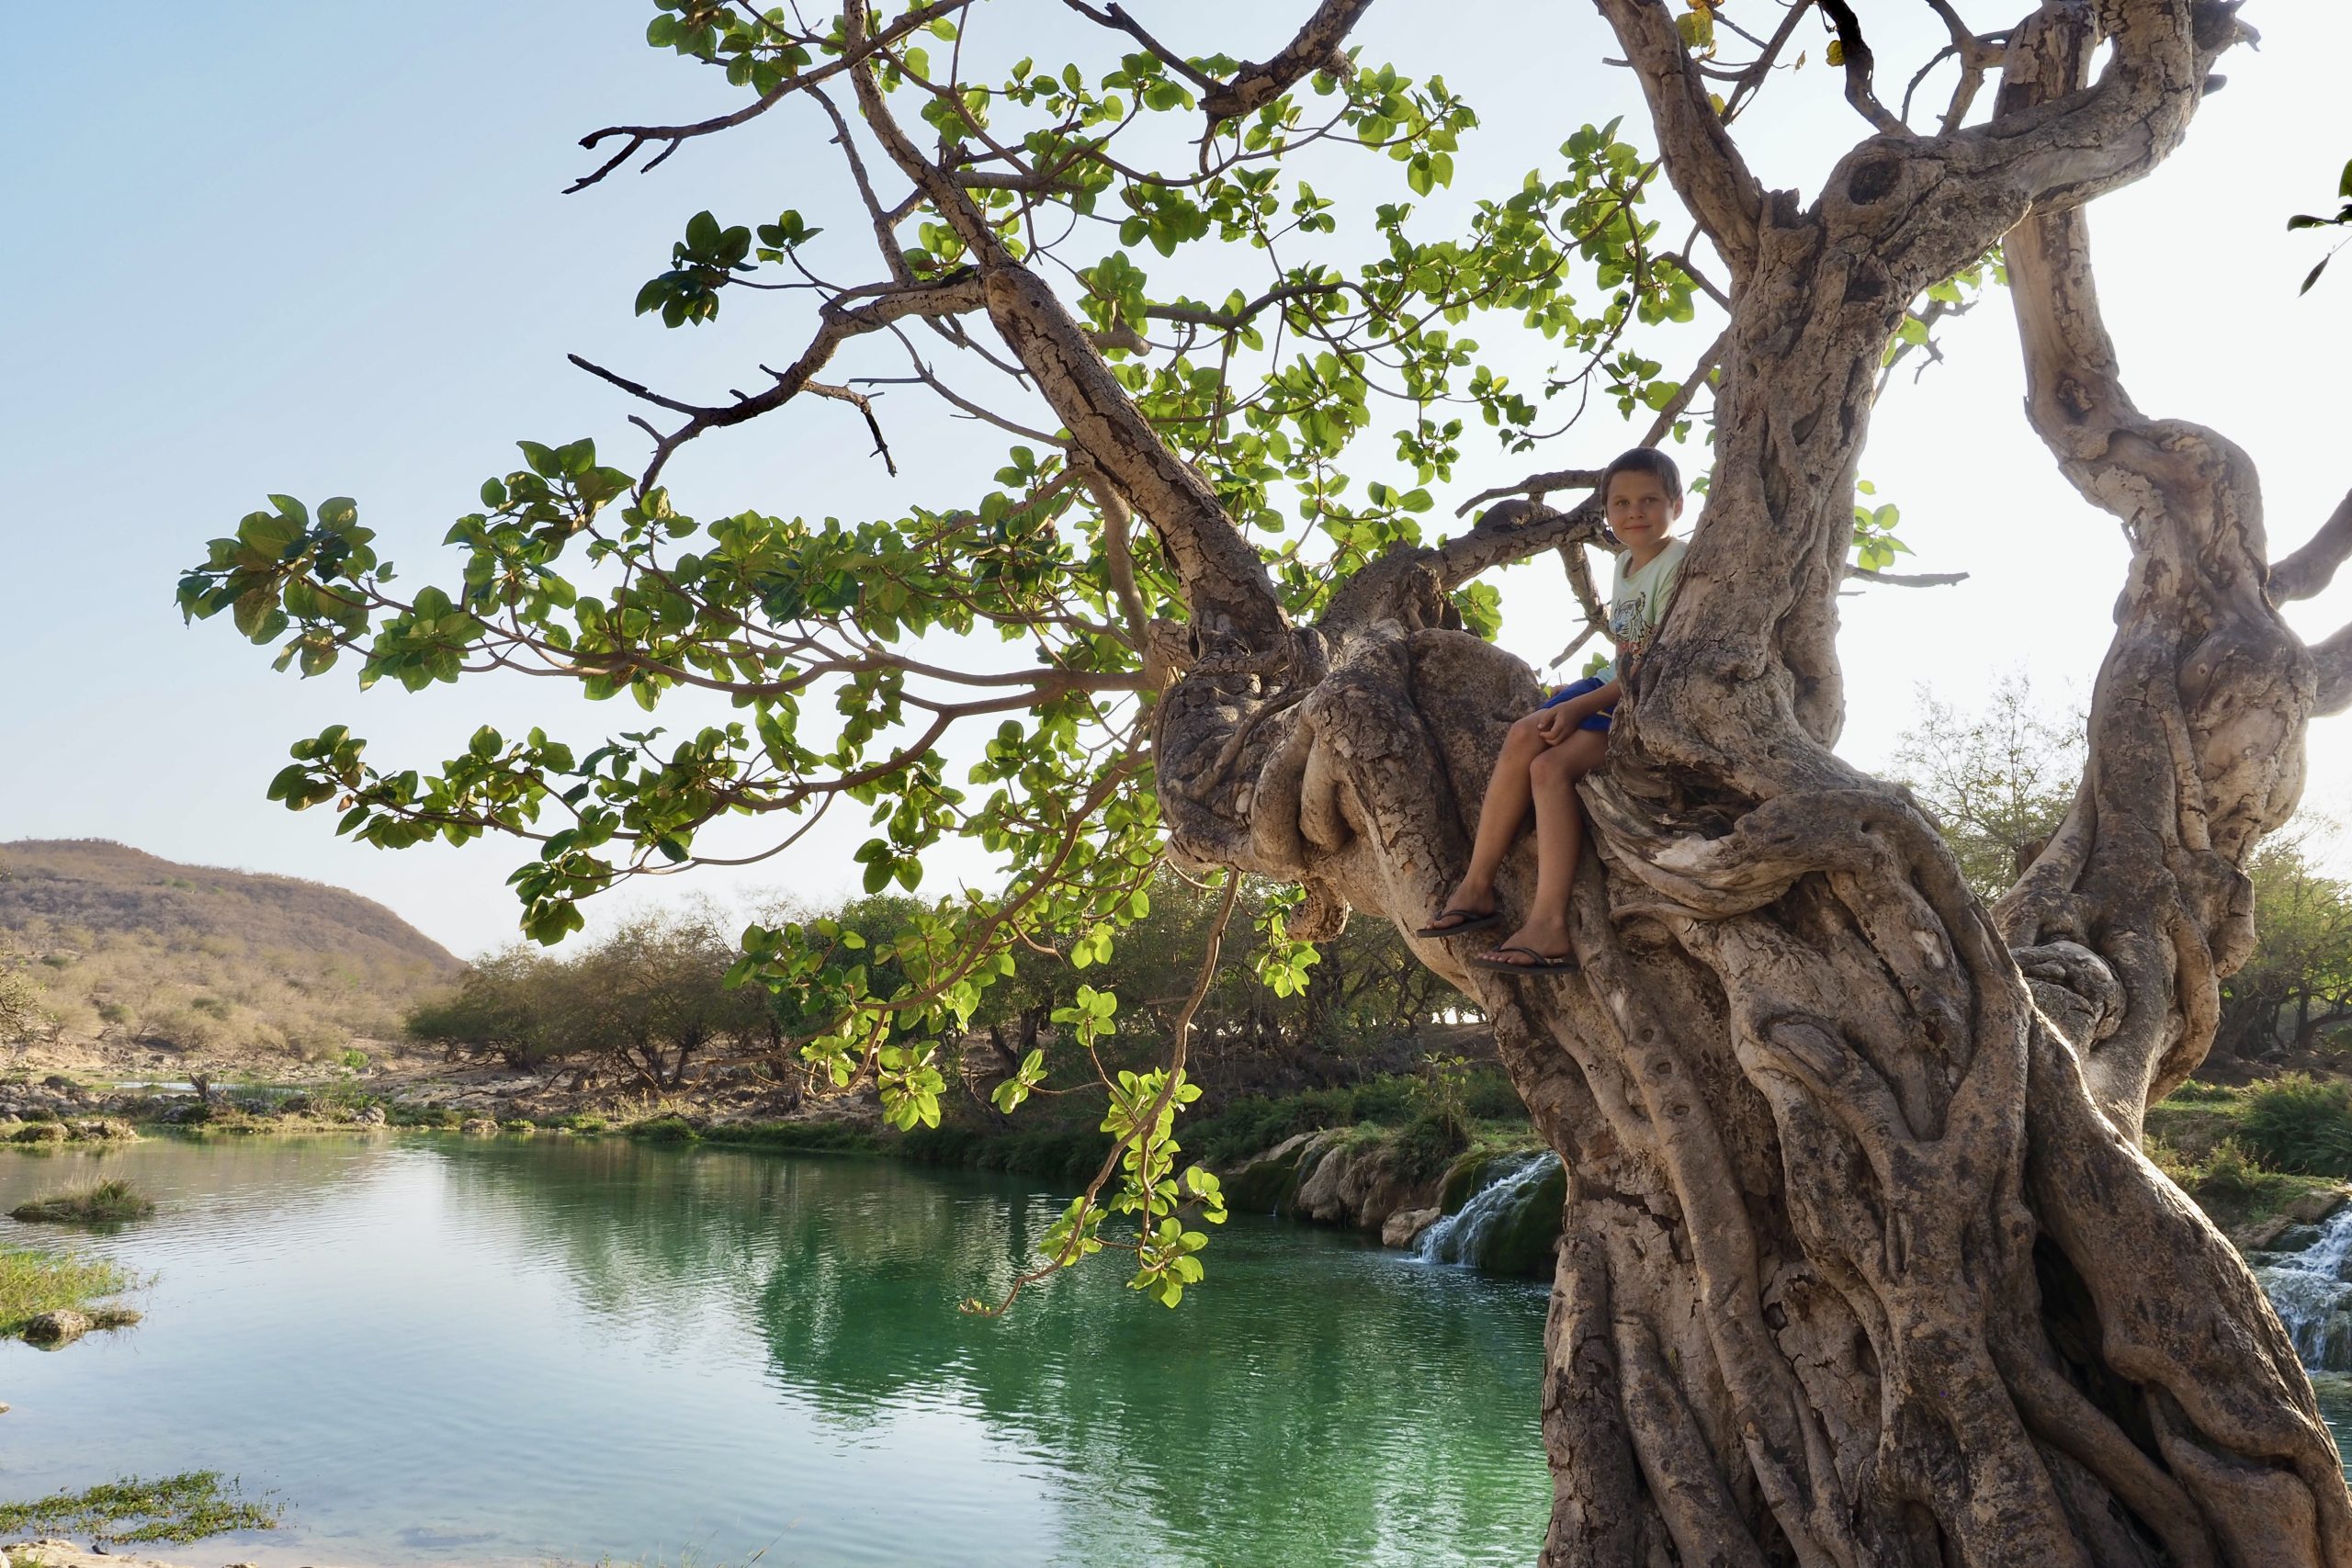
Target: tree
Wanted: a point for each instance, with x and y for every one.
(652, 997)
(22, 1016)
(2298, 980)
(1999, 781)
(1858, 1250)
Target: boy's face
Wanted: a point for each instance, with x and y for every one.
(1640, 510)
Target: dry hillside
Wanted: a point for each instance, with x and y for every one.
(144, 962)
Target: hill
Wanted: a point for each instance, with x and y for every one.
(146, 962)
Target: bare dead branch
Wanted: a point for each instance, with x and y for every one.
(674, 135)
(839, 323)
(859, 401)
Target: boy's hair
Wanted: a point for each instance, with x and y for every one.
(1643, 460)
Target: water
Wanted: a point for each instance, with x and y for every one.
(2312, 1296)
(511, 1352)
(1460, 1237)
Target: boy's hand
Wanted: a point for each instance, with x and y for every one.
(1559, 722)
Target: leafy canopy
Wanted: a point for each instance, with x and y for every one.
(1321, 363)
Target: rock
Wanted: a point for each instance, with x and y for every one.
(2310, 1208)
(1405, 1226)
(294, 1105)
(1352, 1182)
(59, 1328)
(478, 1127)
(105, 1129)
(371, 1116)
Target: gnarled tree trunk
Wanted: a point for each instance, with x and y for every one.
(1857, 1268)
(1863, 1264)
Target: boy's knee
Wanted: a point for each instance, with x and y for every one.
(1527, 731)
(1559, 762)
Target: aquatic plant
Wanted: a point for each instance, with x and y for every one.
(33, 1281)
(184, 1507)
(108, 1202)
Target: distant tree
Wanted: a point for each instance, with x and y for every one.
(22, 1016)
(2298, 982)
(652, 1000)
(1999, 780)
(504, 1006)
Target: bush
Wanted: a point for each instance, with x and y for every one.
(1488, 1096)
(583, 1123)
(41, 1132)
(2300, 1123)
(1429, 1144)
(2194, 1093)
(665, 1130)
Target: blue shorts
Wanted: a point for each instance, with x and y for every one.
(1599, 721)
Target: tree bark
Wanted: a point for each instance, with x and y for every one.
(1863, 1263)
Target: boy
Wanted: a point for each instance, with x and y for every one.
(1556, 745)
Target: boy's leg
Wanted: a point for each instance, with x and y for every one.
(1559, 841)
(1500, 816)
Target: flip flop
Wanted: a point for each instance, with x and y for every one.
(1545, 963)
(1471, 921)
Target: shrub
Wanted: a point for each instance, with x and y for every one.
(583, 1122)
(41, 1132)
(2300, 1123)
(665, 1130)
(1429, 1144)
(2231, 1172)
(2194, 1092)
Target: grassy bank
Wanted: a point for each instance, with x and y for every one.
(1063, 1142)
(33, 1281)
(2254, 1154)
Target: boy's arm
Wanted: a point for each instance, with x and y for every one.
(1565, 717)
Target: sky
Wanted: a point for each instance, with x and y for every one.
(325, 252)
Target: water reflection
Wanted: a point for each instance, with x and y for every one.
(506, 1350)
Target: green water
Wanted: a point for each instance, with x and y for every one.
(438, 1351)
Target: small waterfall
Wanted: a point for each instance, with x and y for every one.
(2313, 1298)
(1460, 1237)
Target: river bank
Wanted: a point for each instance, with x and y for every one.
(1373, 1158)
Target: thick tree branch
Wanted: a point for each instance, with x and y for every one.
(1226, 586)
(1317, 47)
(1707, 169)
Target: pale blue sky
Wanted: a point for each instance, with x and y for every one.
(330, 256)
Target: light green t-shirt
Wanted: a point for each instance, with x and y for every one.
(1637, 603)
